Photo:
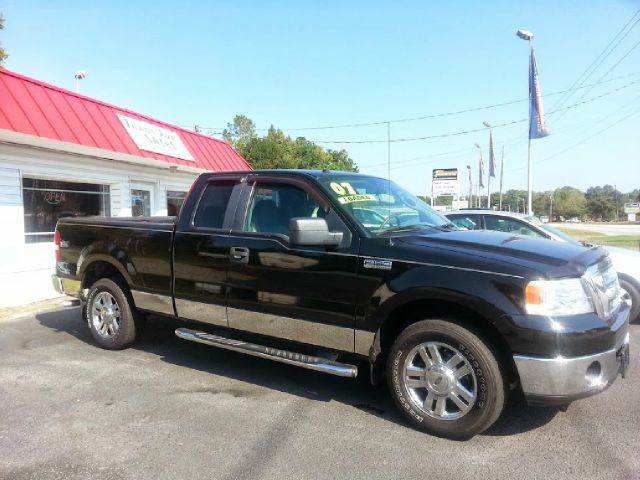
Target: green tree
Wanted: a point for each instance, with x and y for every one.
(514, 200)
(604, 203)
(3, 53)
(569, 202)
(239, 132)
(541, 202)
(278, 150)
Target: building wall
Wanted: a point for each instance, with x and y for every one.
(26, 268)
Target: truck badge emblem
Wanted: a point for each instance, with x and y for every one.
(379, 264)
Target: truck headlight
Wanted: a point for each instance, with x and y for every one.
(567, 296)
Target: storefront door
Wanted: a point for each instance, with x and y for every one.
(142, 203)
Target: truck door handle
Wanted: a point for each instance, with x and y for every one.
(239, 254)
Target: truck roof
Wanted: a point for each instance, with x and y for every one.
(302, 172)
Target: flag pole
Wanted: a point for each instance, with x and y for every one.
(529, 179)
(489, 192)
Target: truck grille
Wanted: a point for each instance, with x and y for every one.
(605, 288)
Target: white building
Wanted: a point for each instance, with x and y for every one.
(64, 154)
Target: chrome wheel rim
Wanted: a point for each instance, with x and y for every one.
(440, 381)
(105, 315)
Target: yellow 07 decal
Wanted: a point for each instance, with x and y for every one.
(343, 188)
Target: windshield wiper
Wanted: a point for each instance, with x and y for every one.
(404, 228)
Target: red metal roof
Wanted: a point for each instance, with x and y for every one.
(36, 108)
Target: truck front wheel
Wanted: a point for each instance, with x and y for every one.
(110, 315)
(445, 379)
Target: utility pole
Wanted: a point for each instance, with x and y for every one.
(501, 176)
(470, 186)
(551, 206)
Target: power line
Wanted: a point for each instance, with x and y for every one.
(635, 45)
(475, 130)
(218, 130)
(584, 76)
(511, 142)
(585, 140)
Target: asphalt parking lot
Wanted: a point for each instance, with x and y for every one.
(171, 409)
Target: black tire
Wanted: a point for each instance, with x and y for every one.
(634, 293)
(490, 385)
(130, 323)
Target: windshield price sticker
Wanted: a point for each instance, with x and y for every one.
(356, 198)
(343, 188)
(348, 194)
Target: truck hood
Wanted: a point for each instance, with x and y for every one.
(482, 248)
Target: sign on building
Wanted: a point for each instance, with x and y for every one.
(445, 182)
(153, 138)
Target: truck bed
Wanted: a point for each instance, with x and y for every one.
(138, 247)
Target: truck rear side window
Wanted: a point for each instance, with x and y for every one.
(213, 204)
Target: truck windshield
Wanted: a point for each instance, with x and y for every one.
(381, 207)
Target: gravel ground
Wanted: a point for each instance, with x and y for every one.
(170, 409)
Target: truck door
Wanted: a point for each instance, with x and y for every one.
(304, 294)
(201, 251)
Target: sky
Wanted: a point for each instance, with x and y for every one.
(327, 63)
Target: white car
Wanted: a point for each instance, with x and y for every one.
(626, 262)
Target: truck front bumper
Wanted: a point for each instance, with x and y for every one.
(66, 286)
(560, 380)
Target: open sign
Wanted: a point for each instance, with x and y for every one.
(53, 198)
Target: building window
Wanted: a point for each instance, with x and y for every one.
(45, 201)
(175, 200)
(140, 203)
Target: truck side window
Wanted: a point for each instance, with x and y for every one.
(213, 204)
(273, 205)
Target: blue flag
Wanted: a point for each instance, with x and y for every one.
(492, 157)
(537, 124)
(481, 172)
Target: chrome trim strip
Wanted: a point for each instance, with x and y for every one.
(210, 313)
(283, 356)
(297, 330)
(153, 302)
(363, 341)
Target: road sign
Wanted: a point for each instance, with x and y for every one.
(445, 182)
(632, 208)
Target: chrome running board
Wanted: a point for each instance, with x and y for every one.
(284, 356)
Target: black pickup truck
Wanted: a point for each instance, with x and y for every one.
(327, 270)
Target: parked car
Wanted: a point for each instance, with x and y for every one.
(625, 261)
(276, 264)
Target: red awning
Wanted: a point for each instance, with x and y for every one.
(36, 108)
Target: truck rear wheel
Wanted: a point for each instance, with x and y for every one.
(110, 315)
(445, 379)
